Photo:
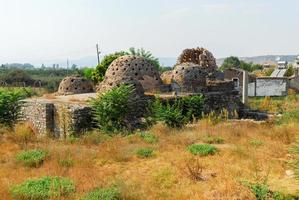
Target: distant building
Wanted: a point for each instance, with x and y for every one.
(281, 69)
(269, 86)
(236, 75)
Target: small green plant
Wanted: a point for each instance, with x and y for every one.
(43, 189)
(202, 149)
(31, 158)
(148, 137)
(145, 153)
(213, 140)
(256, 143)
(102, 194)
(263, 192)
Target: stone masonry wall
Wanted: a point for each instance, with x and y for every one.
(57, 119)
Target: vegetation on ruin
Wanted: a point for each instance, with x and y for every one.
(235, 62)
(111, 109)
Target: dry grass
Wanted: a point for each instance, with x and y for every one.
(172, 173)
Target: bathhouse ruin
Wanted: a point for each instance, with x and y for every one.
(194, 73)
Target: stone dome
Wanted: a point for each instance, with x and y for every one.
(131, 69)
(199, 56)
(190, 77)
(74, 85)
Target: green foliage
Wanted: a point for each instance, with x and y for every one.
(31, 158)
(290, 71)
(43, 189)
(111, 108)
(262, 192)
(10, 107)
(213, 140)
(145, 54)
(202, 149)
(288, 117)
(171, 115)
(192, 106)
(148, 137)
(178, 113)
(99, 72)
(17, 77)
(88, 73)
(145, 152)
(235, 62)
(103, 194)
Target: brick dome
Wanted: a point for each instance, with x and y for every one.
(199, 56)
(74, 85)
(190, 77)
(131, 69)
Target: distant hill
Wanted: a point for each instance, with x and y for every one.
(263, 59)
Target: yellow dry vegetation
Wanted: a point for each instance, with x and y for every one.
(251, 151)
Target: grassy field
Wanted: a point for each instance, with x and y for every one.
(205, 160)
(247, 151)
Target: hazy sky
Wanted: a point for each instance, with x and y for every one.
(38, 30)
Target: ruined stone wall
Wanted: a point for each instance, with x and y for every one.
(57, 119)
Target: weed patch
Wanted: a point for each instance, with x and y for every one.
(43, 189)
(31, 158)
(145, 153)
(202, 149)
(102, 194)
(148, 137)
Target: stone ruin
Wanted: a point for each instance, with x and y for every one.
(131, 70)
(74, 85)
(193, 74)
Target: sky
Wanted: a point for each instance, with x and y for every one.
(37, 31)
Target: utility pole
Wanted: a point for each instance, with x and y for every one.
(67, 66)
(98, 53)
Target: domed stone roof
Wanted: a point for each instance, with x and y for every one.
(199, 56)
(131, 69)
(75, 85)
(190, 77)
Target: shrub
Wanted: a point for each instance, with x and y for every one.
(110, 109)
(192, 106)
(43, 189)
(148, 137)
(213, 140)
(262, 192)
(31, 158)
(102, 194)
(145, 153)
(171, 115)
(10, 107)
(202, 149)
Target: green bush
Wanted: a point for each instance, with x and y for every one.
(43, 189)
(202, 149)
(213, 140)
(148, 137)
(102, 194)
(111, 109)
(192, 106)
(10, 107)
(145, 153)
(31, 158)
(171, 115)
(262, 192)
